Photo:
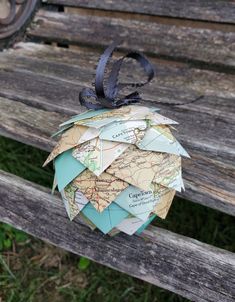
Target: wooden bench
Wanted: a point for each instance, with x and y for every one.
(192, 44)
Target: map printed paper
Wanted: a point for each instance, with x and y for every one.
(118, 169)
(169, 172)
(130, 132)
(162, 207)
(142, 168)
(98, 154)
(160, 139)
(158, 119)
(71, 138)
(102, 190)
(74, 201)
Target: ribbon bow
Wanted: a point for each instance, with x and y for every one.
(100, 98)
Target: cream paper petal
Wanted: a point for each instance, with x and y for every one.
(130, 225)
(140, 168)
(121, 114)
(74, 200)
(97, 155)
(70, 139)
(130, 132)
(166, 197)
(158, 119)
(169, 172)
(100, 191)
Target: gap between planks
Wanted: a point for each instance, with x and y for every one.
(166, 41)
(210, 10)
(153, 19)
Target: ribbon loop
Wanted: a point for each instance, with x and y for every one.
(99, 98)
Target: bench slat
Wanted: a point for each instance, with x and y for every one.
(60, 83)
(197, 271)
(208, 182)
(50, 78)
(176, 42)
(210, 10)
(64, 63)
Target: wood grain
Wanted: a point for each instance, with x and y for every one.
(50, 79)
(192, 269)
(208, 181)
(64, 64)
(209, 10)
(62, 74)
(46, 82)
(176, 42)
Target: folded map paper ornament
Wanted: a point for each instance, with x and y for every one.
(118, 164)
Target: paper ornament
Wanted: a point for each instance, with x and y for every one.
(118, 164)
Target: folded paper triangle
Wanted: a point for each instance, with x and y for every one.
(97, 155)
(106, 220)
(66, 169)
(100, 191)
(118, 169)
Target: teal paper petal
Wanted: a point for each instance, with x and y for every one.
(106, 220)
(122, 131)
(84, 115)
(137, 202)
(62, 130)
(144, 226)
(67, 168)
(155, 141)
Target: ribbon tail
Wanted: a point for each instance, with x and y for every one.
(88, 98)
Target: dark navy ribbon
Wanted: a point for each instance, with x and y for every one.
(101, 98)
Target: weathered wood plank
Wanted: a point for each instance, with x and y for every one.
(209, 10)
(60, 83)
(215, 137)
(51, 78)
(28, 125)
(176, 42)
(65, 63)
(188, 267)
(208, 181)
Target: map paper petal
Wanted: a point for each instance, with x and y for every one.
(162, 207)
(102, 190)
(160, 139)
(85, 115)
(129, 132)
(138, 167)
(145, 225)
(158, 119)
(67, 141)
(136, 202)
(130, 225)
(74, 201)
(168, 173)
(97, 155)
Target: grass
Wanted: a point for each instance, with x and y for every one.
(31, 270)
